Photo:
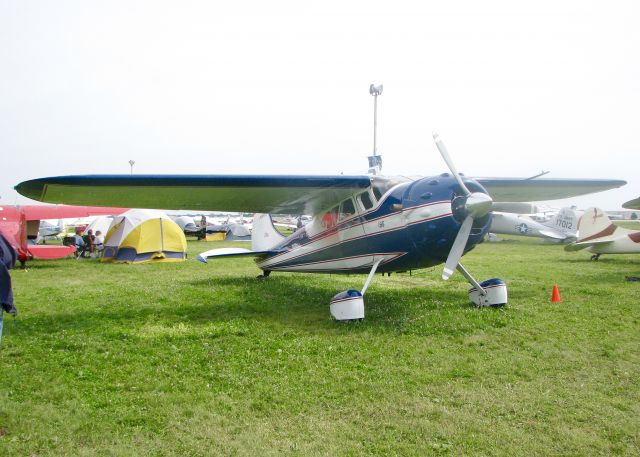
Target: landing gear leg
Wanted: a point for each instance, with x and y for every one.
(370, 277)
(492, 292)
(349, 305)
(595, 257)
(265, 274)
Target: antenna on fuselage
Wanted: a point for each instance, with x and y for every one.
(375, 161)
(542, 173)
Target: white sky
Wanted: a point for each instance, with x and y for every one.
(275, 87)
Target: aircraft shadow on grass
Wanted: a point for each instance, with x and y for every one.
(619, 260)
(295, 302)
(287, 302)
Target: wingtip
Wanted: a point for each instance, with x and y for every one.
(32, 189)
(201, 259)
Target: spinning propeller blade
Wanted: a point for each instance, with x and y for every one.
(477, 204)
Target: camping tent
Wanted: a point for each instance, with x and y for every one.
(238, 232)
(186, 223)
(144, 236)
(100, 223)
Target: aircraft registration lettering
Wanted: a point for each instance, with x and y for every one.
(564, 223)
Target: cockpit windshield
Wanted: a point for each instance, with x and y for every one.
(381, 184)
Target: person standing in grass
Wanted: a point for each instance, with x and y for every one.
(8, 257)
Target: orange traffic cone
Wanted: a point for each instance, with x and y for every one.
(555, 294)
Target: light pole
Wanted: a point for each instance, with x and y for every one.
(375, 161)
(131, 163)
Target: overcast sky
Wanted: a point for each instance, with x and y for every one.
(282, 88)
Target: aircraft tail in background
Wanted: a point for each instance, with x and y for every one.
(601, 236)
(565, 222)
(595, 224)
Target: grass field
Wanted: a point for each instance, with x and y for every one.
(197, 360)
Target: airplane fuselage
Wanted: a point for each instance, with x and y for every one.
(413, 225)
(627, 242)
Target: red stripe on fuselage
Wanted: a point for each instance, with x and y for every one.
(350, 239)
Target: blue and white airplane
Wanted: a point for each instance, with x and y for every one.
(360, 224)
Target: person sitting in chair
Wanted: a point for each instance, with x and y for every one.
(79, 243)
(98, 243)
(89, 239)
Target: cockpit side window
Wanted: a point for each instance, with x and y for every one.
(365, 200)
(346, 210)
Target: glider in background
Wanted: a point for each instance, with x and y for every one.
(599, 235)
(20, 224)
(361, 224)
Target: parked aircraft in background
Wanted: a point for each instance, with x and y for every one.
(561, 227)
(50, 229)
(632, 204)
(291, 222)
(361, 224)
(20, 224)
(601, 236)
(231, 228)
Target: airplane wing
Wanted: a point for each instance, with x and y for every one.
(39, 212)
(632, 204)
(542, 189)
(299, 194)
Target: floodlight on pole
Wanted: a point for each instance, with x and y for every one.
(375, 161)
(131, 163)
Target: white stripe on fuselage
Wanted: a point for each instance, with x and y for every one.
(330, 238)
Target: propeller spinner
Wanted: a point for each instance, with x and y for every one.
(477, 205)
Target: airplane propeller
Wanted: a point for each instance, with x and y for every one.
(477, 205)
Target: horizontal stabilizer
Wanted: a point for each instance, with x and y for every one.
(585, 244)
(231, 252)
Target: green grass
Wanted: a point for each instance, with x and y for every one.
(633, 225)
(197, 360)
